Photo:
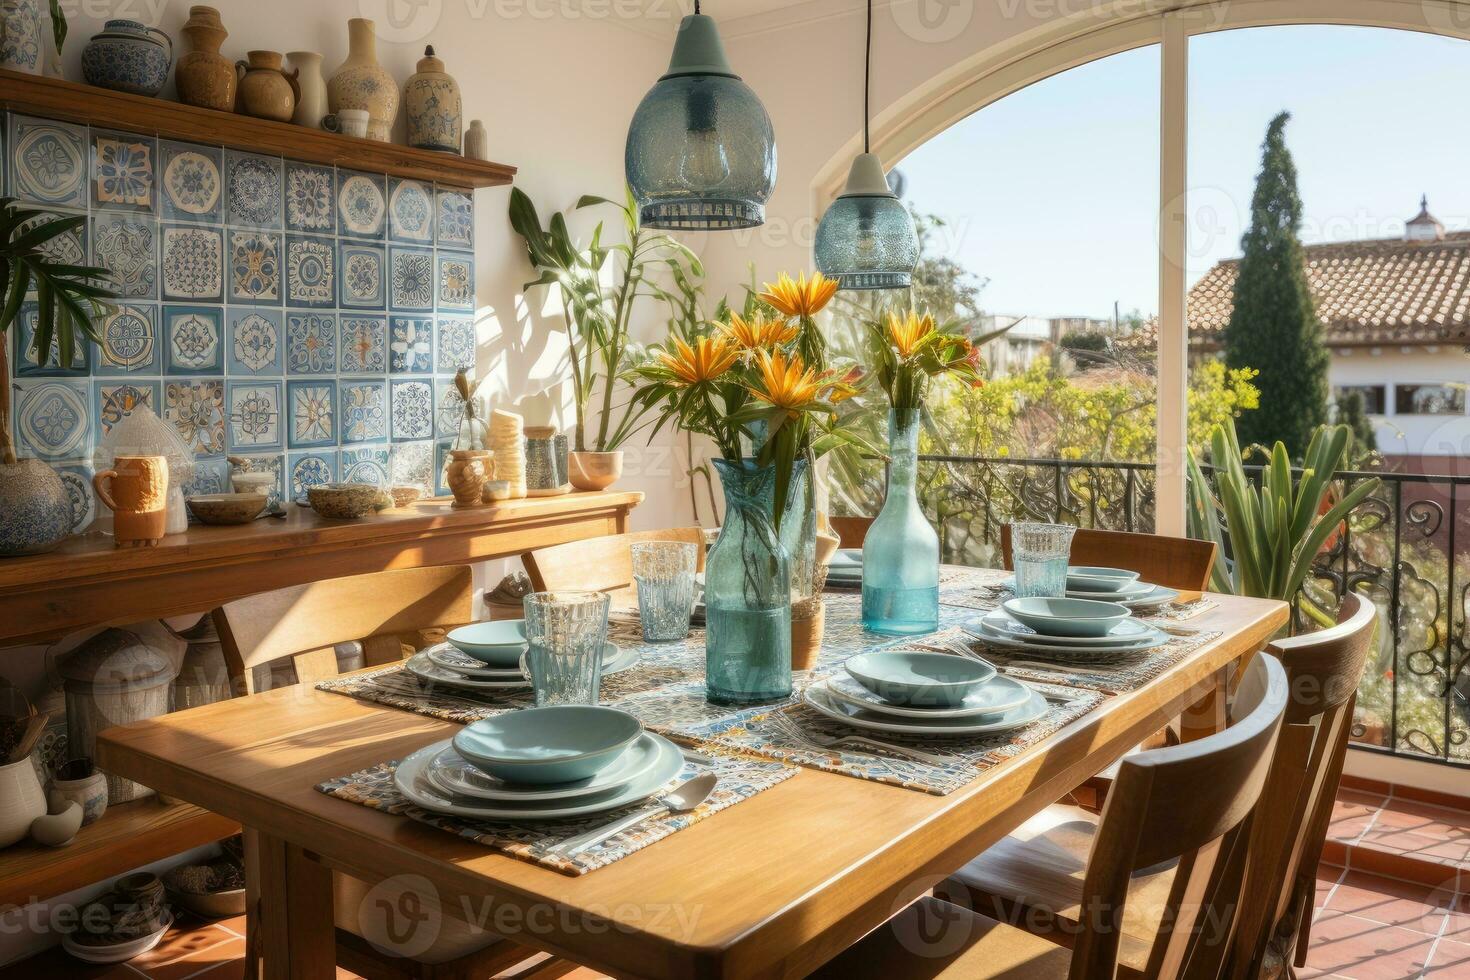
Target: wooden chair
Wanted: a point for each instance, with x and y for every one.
(1175, 563)
(391, 613)
(1187, 806)
(851, 531)
(600, 564)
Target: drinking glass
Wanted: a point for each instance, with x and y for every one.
(565, 633)
(1040, 553)
(664, 574)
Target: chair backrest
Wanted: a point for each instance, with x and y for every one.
(1322, 671)
(1175, 563)
(600, 564)
(304, 622)
(1189, 804)
(851, 531)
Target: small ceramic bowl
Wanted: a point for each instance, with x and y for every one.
(498, 643)
(404, 494)
(343, 501)
(253, 482)
(226, 508)
(920, 680)
(1067, 617)
(556, 744)
(1095, 578)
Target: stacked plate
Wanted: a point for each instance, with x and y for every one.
(487, 657)
(845, 570)
(1113, 585)
(540, 764)
(1076, 630)
(924, 694)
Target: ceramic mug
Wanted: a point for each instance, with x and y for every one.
(136, 491)
(348, 122)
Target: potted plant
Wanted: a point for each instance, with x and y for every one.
(35, 509)
(598, 317)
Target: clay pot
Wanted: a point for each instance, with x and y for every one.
(267, 91)
(466, 474)
(311, 100)
(594, 471)
(35, 509)
(204, 76)
(431, 99)
(806, 637)
(137, 497)
(476, 141)
(362, 83)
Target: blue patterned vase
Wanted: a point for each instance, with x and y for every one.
(128, 57)
(20, 35)
(35, 509)
(747, 594)
(901, 551)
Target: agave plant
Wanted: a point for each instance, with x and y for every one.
(1273, 530)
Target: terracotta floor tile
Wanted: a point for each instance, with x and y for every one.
(186, 937)
(1424, 818)
(1457, 922)
(1394, 903)
(1327, 879)
(231, 949)
(1420, 847)
(1451, 959)
(1362, 949)
(231, 970)
(1352, 813)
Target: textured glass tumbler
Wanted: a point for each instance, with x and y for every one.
(565, 633)
(664, 574)
(1040, 553)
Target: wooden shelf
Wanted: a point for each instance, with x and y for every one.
(55, 98)
(128, 836)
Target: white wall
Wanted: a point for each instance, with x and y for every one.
(1410, 435)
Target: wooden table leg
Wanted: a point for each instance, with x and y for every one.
(1208, 715)
(289, 923)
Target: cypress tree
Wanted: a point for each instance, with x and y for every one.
(1273, 326)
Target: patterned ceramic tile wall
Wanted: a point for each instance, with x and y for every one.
(309, 318)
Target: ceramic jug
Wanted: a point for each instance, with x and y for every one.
(21, 800)
(266, 89)
(204, 76)
(311, 102)
(21, 44)
(129, 57)
(431, 99)
(136, 491)
(361, 83)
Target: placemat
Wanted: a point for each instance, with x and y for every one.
(741, 777)
(989, 595)
(1115, 677)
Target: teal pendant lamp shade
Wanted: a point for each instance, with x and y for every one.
(701, 153)
(866, 240)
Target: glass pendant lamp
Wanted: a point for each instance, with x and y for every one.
(701, 153)
(866, 240)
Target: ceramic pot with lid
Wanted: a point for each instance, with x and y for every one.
(128, 57)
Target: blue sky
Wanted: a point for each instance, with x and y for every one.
(1051, 193)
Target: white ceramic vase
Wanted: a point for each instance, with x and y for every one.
(312, 105)
(21, 801)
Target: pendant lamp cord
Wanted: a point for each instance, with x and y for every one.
(696, 6)
(867, 72)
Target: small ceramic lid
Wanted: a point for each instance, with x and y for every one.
(540, 431)
(430, 62)
(115, 660)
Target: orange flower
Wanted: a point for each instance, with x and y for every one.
(910, 334)
(800, 297)
(786, 382)
(758, 333)
(709, 358)
(839, 389)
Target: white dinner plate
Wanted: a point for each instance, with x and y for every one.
(420, 666)
(614, 659)
(850, 714)
(1129, 633)
(999, 694)
(410, 780)
(452, 773)
(1134, 592)
(1158, 597)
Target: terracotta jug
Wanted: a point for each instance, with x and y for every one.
(266, 89)
(137, 497)
(466, 474)
(311, 103)
(204, 76)
(361, 83)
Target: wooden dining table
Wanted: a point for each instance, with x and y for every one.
(773, 887)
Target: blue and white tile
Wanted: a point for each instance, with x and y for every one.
(196, 407)
(210, 476)
(362, 205)
(410, 345)
(362, 276)
(448, 408)
(253, 415)
(413, 410)
(411, 279)
(310, 199)
(411, 211)
(77, 478)
(130, 342)
(456, 219)
(456, 281)
(311, 411)
(113, 401)
(67, 248)
(363, 348)
(28, 362)
(252, 190)
(368, 464)
(192, 266)
(311, 343)
(48, 162)
(194, 339)
(454, 346)
(311, 272)
(51, 418)
(255, 267)
(127, 245)
(412, 464)
(191, 183)
(256, 341)
(364, 410)
(124, 171)
(311, 469)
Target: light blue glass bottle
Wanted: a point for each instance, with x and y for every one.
(901, 551)
(747, 594)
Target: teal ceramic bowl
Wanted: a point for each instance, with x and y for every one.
(556, 744)
(498, 643)
(1067, 617)
(1097, 578)
(920, 680)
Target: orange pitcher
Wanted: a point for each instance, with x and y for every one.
(138, 498)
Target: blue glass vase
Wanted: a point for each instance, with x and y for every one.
(901, 551)
(747, 594)
(799, 530)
